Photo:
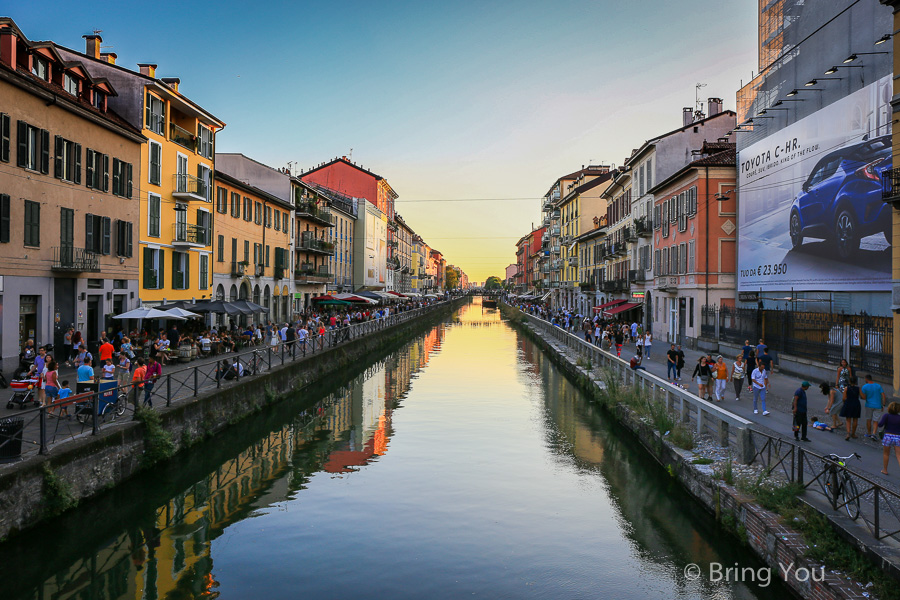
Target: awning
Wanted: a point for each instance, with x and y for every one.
(545, 296)
(398, 294)
(621, 308)
(608, 304)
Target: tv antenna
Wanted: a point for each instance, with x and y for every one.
(698, 106)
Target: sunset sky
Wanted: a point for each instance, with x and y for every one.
(483, 101)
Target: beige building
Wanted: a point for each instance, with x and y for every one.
(68, 198)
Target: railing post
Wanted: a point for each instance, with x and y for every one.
(43, 424)
(723, 433)
(219, 373)
(744, 445)
(95, 413)
(196, 382)
(685, 411)
(169, 390)
(877, 520)
(800, 454)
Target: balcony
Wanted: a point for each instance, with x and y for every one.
(188, 187)
(278, 273)
(890, 185)
(312, 212)
(182, 137)
(393, 244)
(309, 243)
(637, 276)
(555, 214)
(554, 249)
(641, 228)
(545, 268)
(573, 261)
(607, 286)
(630, 234)
(586, 286)
(238, 269)
(392, 225)
(554, 231)
(185, 234)
(75, 260)
(259, 270)
(620, 249)
(547, 205)
(307, 273)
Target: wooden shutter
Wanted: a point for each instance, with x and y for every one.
(105, 172)
(129, 233)
(148, 269)
(4, 218)
(174, 270)
(77, 179)
(105, 224)
(128, 183)
(4, 137)
(45, 151)
(202, 240)
(162, 268)
(147, 110)
(58, 159)
(117, 179)
(89, 168)
(22, 142)
(89, 232)
(186, 278)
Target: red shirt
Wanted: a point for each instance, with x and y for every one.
(106, 351)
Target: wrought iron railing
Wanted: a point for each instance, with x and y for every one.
(188, 184)
(182, 137)
(890, 185)
(69, 258)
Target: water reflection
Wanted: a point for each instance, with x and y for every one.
(462, 463)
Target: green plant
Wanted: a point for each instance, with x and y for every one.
(734, 526)
(702, 460)
(56, 493)
(158, 443)
(682, 437)
(584, 363)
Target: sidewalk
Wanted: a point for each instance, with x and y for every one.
(780, 421)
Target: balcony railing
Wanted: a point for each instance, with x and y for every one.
(313, 212)
(308, 273)
(573, 261)
(630, 234)
(637, 275)
(182, 137)
(641, 228)
(190, 187)
(238, 269)
(309, 243)
(69, 258)
(890, 185)
(186, 233)
(278, 273)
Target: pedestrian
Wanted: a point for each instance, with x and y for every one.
(619, 339)
(639, 344)
(123, 369)
(746, 351)
(844, 373)
(154, 371)
(873, 395)
(759, 348)
(67, 344)
(648, 343)
(798, 408)
(702, 373)
(680, 363)
(108, 371)
(105, 351)
(891, 423)
(137, 379)
(51, 383)
(635, 363)
(851, 409)
(766, 360)
(833, 408)
(64, 392)
(671, 363)
(85, 373)
(721, 372)
(737, 376)
(760, 385)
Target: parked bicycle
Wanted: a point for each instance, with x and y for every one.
(113, 403)
(838, 486)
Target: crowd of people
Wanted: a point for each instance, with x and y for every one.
(134, 359)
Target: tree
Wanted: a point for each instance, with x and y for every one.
(451, 279)
(493, 283)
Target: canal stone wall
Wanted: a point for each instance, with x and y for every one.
(775, 544)
(38, 487)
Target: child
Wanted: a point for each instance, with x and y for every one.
(64, 392)
(109, 369)
(817, 424)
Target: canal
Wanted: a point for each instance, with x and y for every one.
(462, 464)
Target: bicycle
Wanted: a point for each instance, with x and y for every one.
(837, 484)
(84, 410)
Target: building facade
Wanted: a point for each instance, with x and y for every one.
(314, 248)
(69, 165)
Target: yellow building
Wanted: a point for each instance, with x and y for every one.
(175, 190)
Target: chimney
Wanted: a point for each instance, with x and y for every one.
(172, 82)
(148, 69)
(109, 57)
(715, 106)
(8, 47)
(92, 45)
(687, 115)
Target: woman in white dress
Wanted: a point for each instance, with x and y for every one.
(648, 343)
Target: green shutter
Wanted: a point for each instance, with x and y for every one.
(89, 232)
(58, 159)
(89, 168)
(128, 174)
(4, 137)
(4, 218)
(161, 277)
(148, 269)
(186, 284)
(77, 180)
(45, 151)
(129, 235)
(117, 180)
(105, 172)
(174, 270)
(147, 110)
(22, 143)
(105, 231)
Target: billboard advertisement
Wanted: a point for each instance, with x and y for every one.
(810, 215)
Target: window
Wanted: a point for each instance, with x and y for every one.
(246, 251)
(277, 219)
(96, 234)
(691, 267)
(120, 284)
(205, 141)
(32, 223)
(234, 254)
(95, 284)
(155, 175)
(124, 238)
(649, 173)
(257, 213)
(693, 200)
(99, 100)
(221, 247)
(221, 200)
(33, 148)
(256, 253)
(204, 185)
(267, 255)
(154, 268)
(97, 170)
(67, 162)
(121, 176)
(682, 258)
(155, 114)
(248, 209)
(691, 312)
(40, 68)
(204, 271)
(180, 271)
(4, 218)
(235, 205)
(153, 216)
(4, 137)
(284, 222)
(269, 217)
(70, 84)
(204, 219)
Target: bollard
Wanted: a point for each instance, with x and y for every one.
(685, 411)
(744, 445)
(723, 434)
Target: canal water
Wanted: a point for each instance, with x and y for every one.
(463, 464)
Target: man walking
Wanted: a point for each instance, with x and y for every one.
(154, 371)
(679, 362)
(873, 395)
(760, 383)
(671, 364)
(799, 410)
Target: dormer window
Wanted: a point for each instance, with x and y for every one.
(70, 84)
(40, 68)
(99, 99)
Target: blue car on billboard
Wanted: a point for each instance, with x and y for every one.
(840, 201)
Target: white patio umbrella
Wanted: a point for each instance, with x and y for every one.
(147, 312)
(176, 312)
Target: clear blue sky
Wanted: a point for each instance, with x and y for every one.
(447, 100)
